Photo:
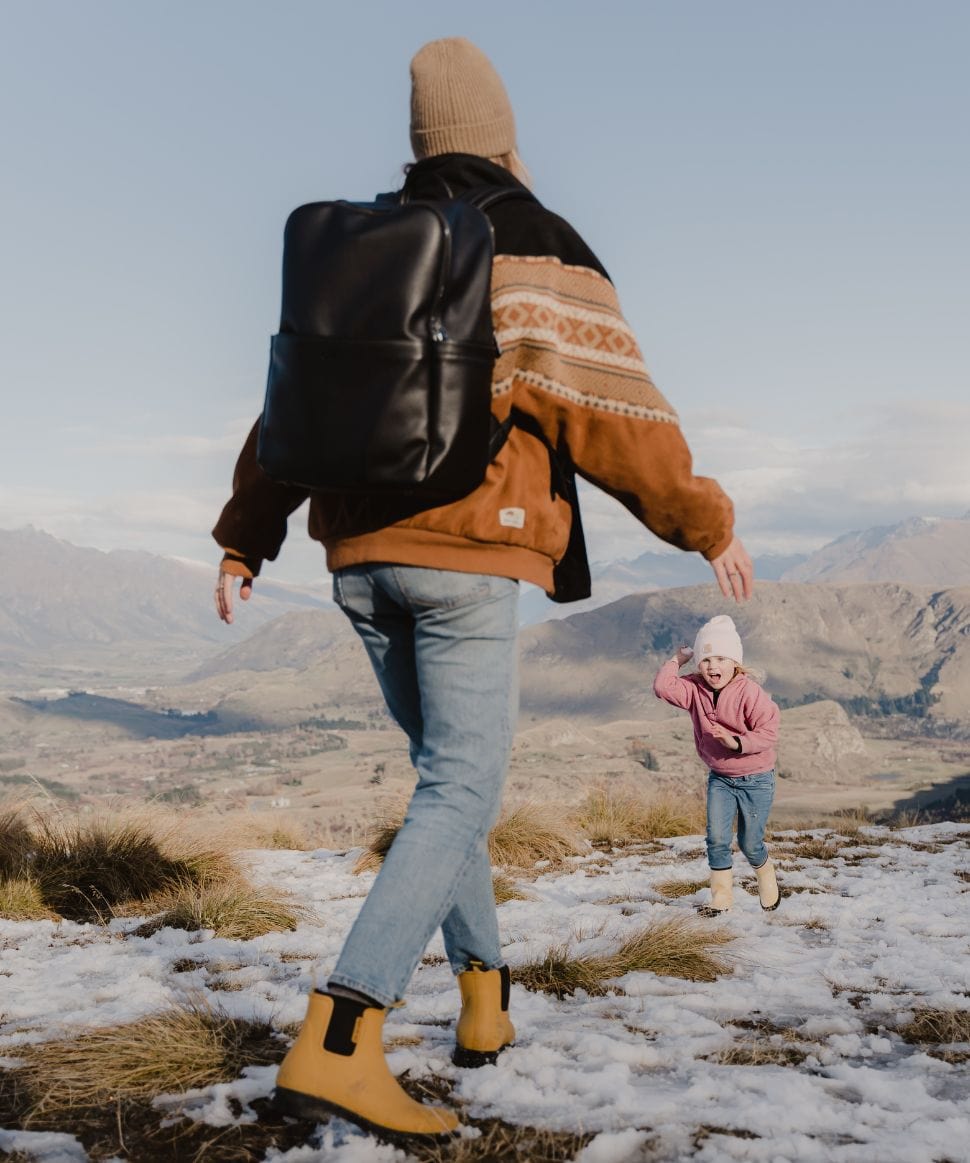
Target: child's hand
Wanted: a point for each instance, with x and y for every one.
(723, 735)
(684, 654)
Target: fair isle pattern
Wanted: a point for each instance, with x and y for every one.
(573, 329)
(585, 399)
(561, 328)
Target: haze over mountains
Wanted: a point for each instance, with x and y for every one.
(69, 608)
(74, 616)
(923, 551)
(876, 649)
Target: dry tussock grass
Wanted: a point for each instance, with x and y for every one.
(88, 869)
(759, 1054)
(21, 900)
(523, 835)
(506, 889)
(810, 847)
(938, 1027)
(530, 832)
(503, 1142)
(15, 842)
(231, 908)
(126, 864)
(169, 1052)
(678, 947)
(613, 818)
(679, 888)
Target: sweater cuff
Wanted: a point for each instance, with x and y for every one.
(239, 565)
(719, 548)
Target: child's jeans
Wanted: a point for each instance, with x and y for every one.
(749, 797)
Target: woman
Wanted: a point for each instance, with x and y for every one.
(434, 596)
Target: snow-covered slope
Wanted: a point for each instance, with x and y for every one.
(659, 1069)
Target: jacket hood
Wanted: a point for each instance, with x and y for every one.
(448, 174)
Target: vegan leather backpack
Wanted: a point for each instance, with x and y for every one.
(380, 377)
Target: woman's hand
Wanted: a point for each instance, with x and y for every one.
(734, 571)
(224, 593)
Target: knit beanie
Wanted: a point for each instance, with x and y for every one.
(458, 102)
(718, 638)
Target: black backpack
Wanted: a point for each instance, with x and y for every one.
(380, 376)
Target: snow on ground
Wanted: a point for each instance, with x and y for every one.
(859, 941)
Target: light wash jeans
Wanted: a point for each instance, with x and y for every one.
(749, 797)
(443, 646)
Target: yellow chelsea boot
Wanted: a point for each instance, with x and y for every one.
(337, 1066)
(484, 1029)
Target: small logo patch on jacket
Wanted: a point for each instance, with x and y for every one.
(512, 518)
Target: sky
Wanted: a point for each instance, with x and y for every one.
(777, 189)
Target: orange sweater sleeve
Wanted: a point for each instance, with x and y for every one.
(574, 363)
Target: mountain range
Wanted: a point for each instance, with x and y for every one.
(68, 611)
(73, 616)
(921, 551)
(874, 648)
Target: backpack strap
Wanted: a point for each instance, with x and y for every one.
(485, 197)
(571, 577)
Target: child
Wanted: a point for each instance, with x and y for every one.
(735, 732)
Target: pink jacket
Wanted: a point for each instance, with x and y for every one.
(742, 706)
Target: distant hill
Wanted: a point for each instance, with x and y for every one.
(875, 649)
(71, 613)
(649, 571)
(923, 551)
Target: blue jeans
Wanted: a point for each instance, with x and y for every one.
(444, 648)
(749, 797)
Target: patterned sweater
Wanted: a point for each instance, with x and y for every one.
(743, 707)
(570, 360)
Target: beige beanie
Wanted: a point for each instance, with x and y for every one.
(458, 102)
(718, 638)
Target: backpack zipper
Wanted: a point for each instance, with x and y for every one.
(436, 326)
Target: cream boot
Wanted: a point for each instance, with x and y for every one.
(484, 1029)
(768, 891)
(337, 1066)
(722, 891)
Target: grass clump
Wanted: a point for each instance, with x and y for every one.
(503, 1141)
(678, 947)
(379, 843)
(90, 870)
(810, 847)
(233, 909)
(610, 818)
(679, 888)
(759, 1054)
(16, 843)
(506, 889)
(936, 1027)
(87, 870)
(531, 832)
(524, 835)
(21, 900)
(172, 1051)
